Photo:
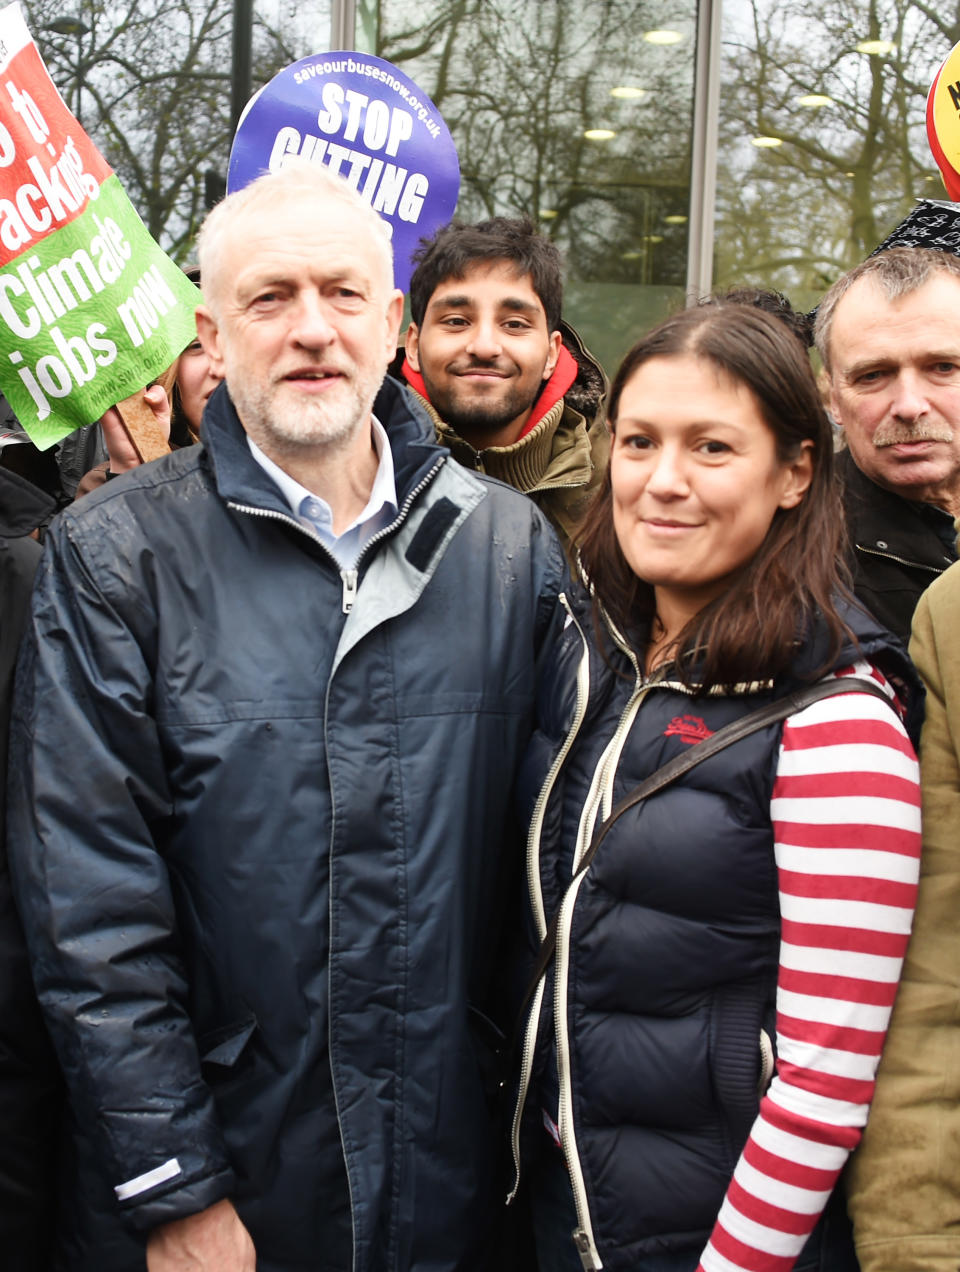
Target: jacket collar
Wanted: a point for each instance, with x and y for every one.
(868, 639)
(880, 521)
(564, 374)
(554, 449)
(240, 479)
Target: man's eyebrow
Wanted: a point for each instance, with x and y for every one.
(520, 305)
(452, 300)
(882, 361)
(253, 285)
(875, 363)
(458, 300)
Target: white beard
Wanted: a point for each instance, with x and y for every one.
(287, 420)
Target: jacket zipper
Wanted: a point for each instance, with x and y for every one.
(600, 793)
(768, 1063)
(600, 796)
(349, 596)
(348, 578)
(540, 807)
(586, 1250)
(599, 801)
(533, 873)
(583, 1236)
(556, 485)
(891, 556)
(349, 582)
(404, 508)
(532, 1028)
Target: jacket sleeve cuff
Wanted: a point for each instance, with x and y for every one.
(169, 1191)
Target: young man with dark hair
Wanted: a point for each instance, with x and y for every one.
(511, 389)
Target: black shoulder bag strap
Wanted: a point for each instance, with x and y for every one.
(771, 713)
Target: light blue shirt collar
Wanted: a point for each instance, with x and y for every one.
(314, 513)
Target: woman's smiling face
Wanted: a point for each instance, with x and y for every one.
(696, 479)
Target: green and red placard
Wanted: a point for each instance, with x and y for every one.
(91, 309)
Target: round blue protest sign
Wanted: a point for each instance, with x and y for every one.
(364, 119)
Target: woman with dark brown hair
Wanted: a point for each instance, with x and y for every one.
(701, 1051)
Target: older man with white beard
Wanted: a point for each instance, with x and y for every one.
(888, 333)
(274, 693)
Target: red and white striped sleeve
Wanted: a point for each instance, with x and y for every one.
(846, 819)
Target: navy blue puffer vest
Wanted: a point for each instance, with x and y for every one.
(665, 975)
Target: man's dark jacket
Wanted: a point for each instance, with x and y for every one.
(897, 547)
(268, 948)
(30, 1092)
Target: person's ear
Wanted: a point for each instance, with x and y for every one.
(394, 317)
(208, 333)
(412, 346)
(797, 476)
(833, 404)
(556, 344)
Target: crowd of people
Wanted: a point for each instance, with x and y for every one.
(463, 814)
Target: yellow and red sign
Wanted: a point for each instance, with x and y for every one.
(943, 121)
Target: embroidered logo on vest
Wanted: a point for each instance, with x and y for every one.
(690, 728)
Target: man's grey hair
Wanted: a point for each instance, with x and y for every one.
(309, 184)
(896, 272)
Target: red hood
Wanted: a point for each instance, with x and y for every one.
(564, 374)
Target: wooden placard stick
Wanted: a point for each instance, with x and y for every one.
(142, 428)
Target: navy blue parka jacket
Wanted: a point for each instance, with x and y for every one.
(261, 846)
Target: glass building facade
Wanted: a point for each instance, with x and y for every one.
(673, 147)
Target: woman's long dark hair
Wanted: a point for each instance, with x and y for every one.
(750, 632)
